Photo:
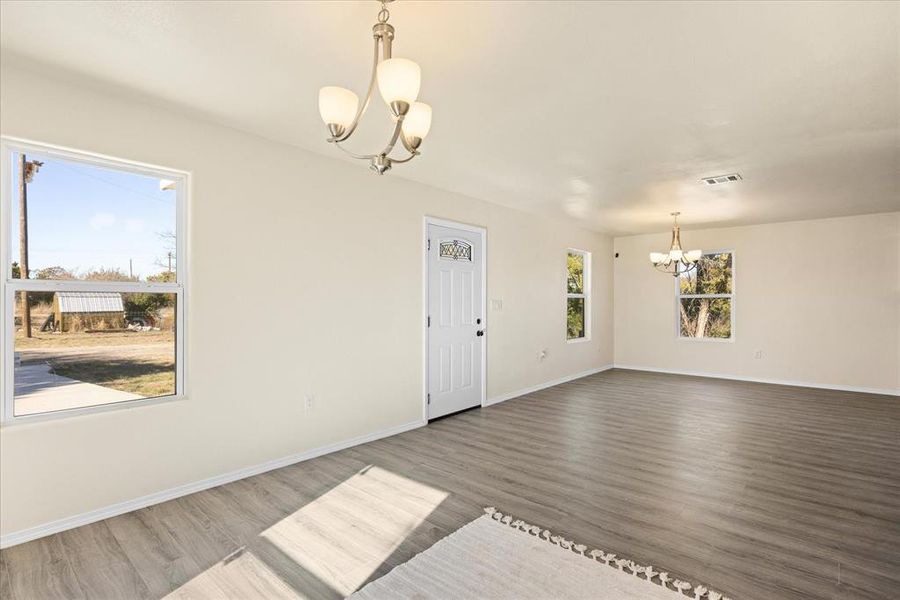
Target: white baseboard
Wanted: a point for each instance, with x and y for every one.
(807, 384)
(545, 385)
(33, 533)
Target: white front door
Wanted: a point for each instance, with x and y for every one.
(455, 319)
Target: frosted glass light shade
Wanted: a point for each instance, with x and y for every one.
(399, 80)
(657, 257)
(417, 121)
(337, 105)
(693, 255)
(675, 254)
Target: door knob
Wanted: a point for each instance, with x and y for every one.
(479, 333)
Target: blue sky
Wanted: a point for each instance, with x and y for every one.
(82, 217)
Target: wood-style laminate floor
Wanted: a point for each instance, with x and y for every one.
(760, 491)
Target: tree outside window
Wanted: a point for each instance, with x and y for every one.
(705, 297)
(577, 295)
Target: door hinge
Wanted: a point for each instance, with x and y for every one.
(429, 398)
(428, 247)
(428, 321)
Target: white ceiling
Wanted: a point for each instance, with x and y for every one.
(605, 113)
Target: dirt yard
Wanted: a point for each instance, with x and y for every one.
(140, 362)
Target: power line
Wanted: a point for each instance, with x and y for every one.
(112, 183)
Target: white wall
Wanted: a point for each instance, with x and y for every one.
(337, 245)
(820, 299)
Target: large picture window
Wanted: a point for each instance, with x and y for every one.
(578, 295)
(705, 297)
(93, 282)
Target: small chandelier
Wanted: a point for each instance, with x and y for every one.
(398, 80)
(676, 261)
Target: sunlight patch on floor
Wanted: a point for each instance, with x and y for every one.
(241, 575)
(343, 536)
(332, 544)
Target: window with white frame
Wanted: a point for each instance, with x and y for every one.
(705, 297)
(578, 295)
(93, 281)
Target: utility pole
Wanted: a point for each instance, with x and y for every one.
(27, 169)
(23, 241)
(170, 261)
(130, 270)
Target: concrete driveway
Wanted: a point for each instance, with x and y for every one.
(37, 390)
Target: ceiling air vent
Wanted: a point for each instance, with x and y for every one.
(719, 179)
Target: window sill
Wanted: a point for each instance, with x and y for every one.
(89, 410)
(578, 340)
(682, 338)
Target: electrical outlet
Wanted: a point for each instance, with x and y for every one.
(542, 354)
(496, 304)
(309, 402)
(757, 354)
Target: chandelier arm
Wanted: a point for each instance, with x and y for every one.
(354, 154)
(674, 268)
(397, 130)
(663, 268)
(365, 105)
(412, 155)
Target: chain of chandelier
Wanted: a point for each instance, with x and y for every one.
(398, 81)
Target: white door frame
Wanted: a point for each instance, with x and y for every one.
(481, 231)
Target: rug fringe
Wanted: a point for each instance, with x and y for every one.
(661, 578)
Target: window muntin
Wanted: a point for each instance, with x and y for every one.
(104, 287)
(578, 285)
(705, 298)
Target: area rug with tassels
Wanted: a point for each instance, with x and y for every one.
(498, 556)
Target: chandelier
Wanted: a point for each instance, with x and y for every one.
(398, 81)
(676, 261)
